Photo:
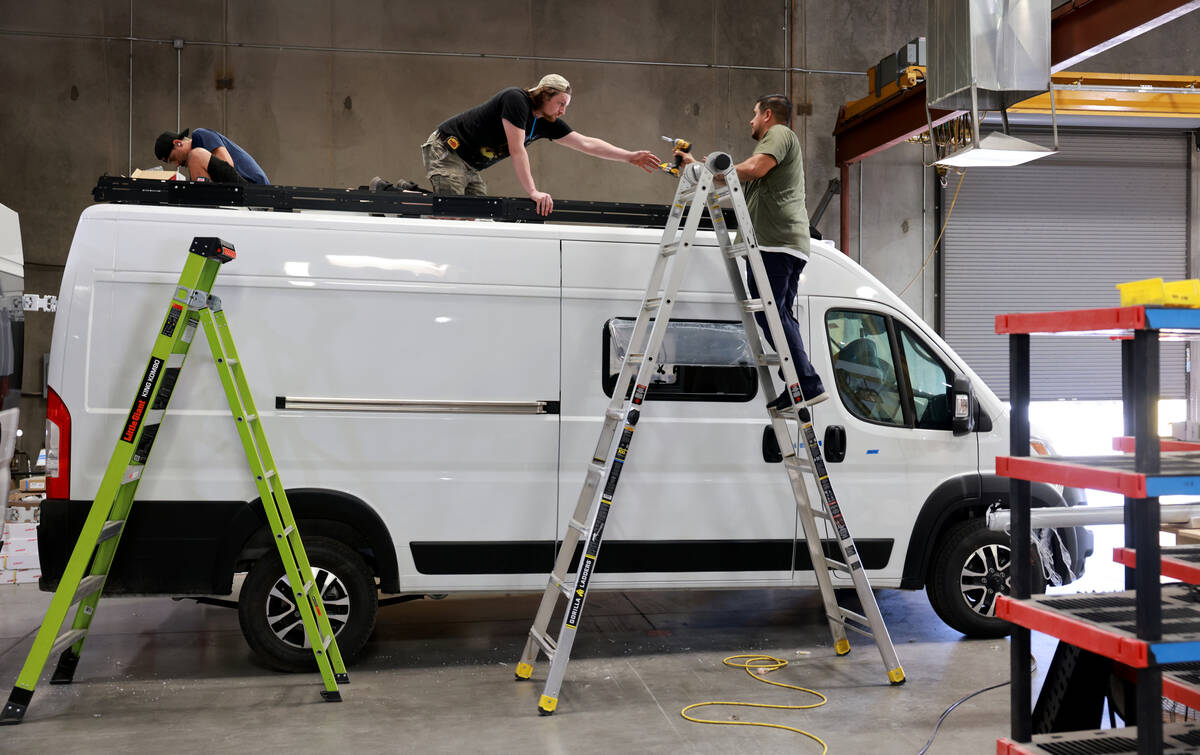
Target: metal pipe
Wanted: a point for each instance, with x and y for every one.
(1124, 90)
(1085, 516)
(435, 54)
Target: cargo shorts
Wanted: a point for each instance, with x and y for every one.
(448, 172)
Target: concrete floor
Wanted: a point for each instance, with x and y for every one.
(172, 676)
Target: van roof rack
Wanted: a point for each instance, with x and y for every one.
(406, 204)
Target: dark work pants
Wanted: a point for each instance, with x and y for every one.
(783, 271)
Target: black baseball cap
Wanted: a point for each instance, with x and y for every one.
(166, 142)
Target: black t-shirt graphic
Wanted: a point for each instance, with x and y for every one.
(477, 135)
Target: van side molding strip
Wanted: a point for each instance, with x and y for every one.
(407, 406)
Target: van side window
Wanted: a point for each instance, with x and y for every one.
(863, 368)
(932, 383)
(702, 360)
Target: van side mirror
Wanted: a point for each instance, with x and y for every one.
(965, 406)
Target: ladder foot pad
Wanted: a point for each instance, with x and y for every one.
(14, 709)
(331, 696)
(341, 678)
(64, 673)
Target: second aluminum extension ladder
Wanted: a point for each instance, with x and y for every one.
(699, 190)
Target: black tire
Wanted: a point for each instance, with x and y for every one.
(348, 592)
(970, 568)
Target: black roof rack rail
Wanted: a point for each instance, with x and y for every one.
(408, 204)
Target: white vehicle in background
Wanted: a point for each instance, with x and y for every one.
(12, 337)
(433, 390)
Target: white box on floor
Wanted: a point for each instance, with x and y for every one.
(19, 560)
(20, 530)
(19, 576)
(20, 546)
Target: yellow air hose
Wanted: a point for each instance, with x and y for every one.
(751, 662)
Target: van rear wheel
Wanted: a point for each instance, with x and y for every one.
(971, 568)
(271, 622)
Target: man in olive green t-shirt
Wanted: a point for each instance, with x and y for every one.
(774, 181)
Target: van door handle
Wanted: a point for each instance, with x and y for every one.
(835, 444)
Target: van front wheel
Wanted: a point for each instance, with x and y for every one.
(971, 568)
(271, 622)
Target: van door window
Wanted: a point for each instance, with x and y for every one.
(700, 360)
(932, 383)
(864, 369)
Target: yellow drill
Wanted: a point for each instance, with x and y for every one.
(682, 145)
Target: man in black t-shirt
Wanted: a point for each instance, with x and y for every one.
(502, 127)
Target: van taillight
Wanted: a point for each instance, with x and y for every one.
(58, 448)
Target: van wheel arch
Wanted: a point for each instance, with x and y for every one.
(319, 513)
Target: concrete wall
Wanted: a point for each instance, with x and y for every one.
(333, 92)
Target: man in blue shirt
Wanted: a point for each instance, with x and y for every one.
(209, 156)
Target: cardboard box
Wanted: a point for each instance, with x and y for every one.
(33, 485)
(19, 531)
(19, 562)
(19, 576)
(19, 546)
(24, 512)
(158, 173)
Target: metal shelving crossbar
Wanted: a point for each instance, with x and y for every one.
(1179, 473)
(1178, 737)
(1180, 562)
(1111, 321)
(1106, 623)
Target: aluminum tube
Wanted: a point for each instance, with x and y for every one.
(1170, 513)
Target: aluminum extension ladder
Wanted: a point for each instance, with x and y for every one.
(192, 305)
(699, 191)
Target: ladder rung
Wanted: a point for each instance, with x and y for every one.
(67, 639)
(133, 473)
(251, 417)
(230, 361)
(611, 413)
(270, 473)
(175, 361)
(308, 586)
(111, 529)
(287, 531)
(753, 305)
(577, 525)
(153, 417)
(838, 565)
(325, 642)
(769, 360)
(820, 514)
(738, 250)
(795, 462)
(596, 470)
(853, 616)
(548, 646)
(652, 304)
(669, 248)
(87, 586)
(564, 588)
(635, 358)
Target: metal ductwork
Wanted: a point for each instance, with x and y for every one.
(995, 51)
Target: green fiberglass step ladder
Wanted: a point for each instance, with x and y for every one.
(698, 191)
(192, 305)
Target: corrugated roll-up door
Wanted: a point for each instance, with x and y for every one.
(1060, 233)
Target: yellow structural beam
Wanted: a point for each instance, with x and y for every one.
(1155, 96)
(906, 79)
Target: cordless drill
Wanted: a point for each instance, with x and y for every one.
(682, 145)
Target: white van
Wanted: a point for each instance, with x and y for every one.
(433, 389)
